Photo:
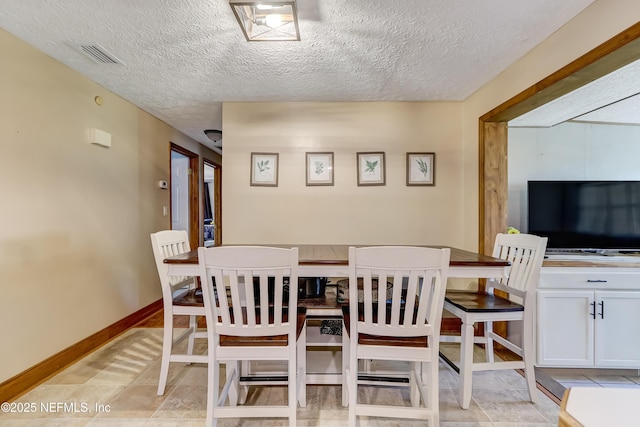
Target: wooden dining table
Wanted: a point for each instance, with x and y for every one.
(333, 261)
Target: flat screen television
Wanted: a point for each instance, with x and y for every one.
(598, 215)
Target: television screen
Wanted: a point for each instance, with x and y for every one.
(586, 214)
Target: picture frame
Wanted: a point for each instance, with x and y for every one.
(319, 168)
(264, 169)
(421, 169)
(371, 168)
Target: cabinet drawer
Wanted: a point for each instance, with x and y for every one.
(589, 278)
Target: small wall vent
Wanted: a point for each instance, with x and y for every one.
(97, 54)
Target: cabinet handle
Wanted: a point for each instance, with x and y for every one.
(596, 281)
(593, 306)
(601, 304)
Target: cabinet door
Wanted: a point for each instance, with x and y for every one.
(565, 328)
(617, 334)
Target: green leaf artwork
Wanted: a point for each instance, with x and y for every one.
(319, 167)
(423, 166)
(263, 166)
(371, 166)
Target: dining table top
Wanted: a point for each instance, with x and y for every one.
(339, 255)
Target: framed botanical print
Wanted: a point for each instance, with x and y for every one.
(371, 168)
(421, 168)
(264, 169)
(319, 168)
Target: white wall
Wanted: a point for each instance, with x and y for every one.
(569, 151)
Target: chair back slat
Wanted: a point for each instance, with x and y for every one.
(247, 284)
(525, 252)
(255, 277)
(395, 303)
(219, 300)
(168, 243)
(412, 306)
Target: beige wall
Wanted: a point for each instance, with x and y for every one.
(75, 254)
(343, 213)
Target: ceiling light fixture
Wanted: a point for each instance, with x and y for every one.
(267, 20)
(215, 136)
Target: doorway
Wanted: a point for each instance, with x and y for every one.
(618, 51)
(184, 193)
(212, 227)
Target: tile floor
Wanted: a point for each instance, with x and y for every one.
(116, 386)
(595, 377)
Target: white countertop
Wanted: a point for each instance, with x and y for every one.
(604, 407)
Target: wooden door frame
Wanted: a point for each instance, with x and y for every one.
(217, 190)
(615, 53)
(194, 188)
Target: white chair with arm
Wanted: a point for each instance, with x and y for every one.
(525, 253)
(403, 327)
(252, 316)
(180, 296)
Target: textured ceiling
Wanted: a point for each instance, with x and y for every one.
(182, 58)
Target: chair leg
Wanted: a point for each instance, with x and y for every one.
(414, 392)
(193, 326)
(233, 372)
(302, 367)
(345, 366)
(432, 386)
(527, 357)
(352, 387)
(213, 387)
(167, 344)
(242, 390)
(292, 388)
(466, 364)
(488, 346)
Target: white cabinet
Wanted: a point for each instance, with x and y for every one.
(565, 328)
(588, 317)
(617, 329)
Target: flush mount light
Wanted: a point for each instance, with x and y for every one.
(215, 136)
(267, 20)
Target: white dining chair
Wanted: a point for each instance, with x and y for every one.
(252, 316)
(180, 296)
(525, 252)
(402, 325)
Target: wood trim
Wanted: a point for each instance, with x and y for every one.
(616, 52)
(217, 190)
(565, 419)
(608, 56)
(195, 226)
(620, 50)
(217, 173)
(23, 382)
(494, 183)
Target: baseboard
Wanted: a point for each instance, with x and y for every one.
(18, 385)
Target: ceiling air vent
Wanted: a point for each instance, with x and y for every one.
(98, 54)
